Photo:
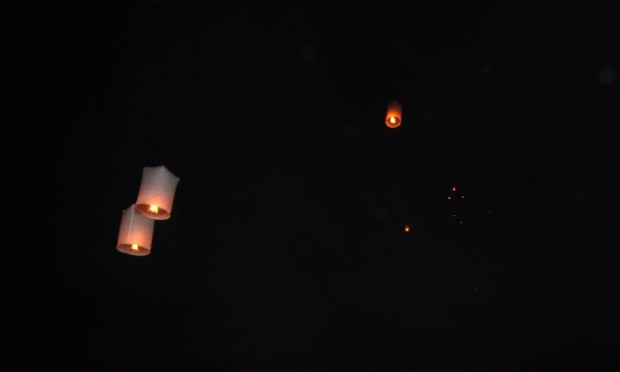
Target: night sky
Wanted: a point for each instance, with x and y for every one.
(287, 249)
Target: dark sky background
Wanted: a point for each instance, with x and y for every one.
(286, 249)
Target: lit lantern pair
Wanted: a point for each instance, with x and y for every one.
(394, 114)
(154, 202)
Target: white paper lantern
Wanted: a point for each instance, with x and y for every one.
(156, 193)
(136, 233)
(394, 114)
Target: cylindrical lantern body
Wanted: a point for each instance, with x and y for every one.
(394, 114)
(157, 193)
(136, 233)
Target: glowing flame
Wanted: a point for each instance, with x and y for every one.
(453, 188)
(407, 228)
(392, 120)
(134, 247)
(153, 209)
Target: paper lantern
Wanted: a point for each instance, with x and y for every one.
(136, 233)
(394, 115)
(156, 193)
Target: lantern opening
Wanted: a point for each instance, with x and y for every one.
(393, 122)
(153, 211)
(130, 250)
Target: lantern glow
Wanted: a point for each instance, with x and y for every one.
(136, 233)
(393, 117)
(156, 194)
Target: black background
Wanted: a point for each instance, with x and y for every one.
(286, 248)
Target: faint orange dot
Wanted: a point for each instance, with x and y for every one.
(462, 196)
(453, 188)
(407, 228)
(449, 198)
(460, 222)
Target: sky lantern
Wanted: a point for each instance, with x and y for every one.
(136, 233)
(156, 193)
(394, 114)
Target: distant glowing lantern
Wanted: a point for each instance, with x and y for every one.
(407, 228)
(393, 117)
(156, 193)
(136, 233)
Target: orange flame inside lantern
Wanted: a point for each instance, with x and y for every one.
(393, 117)
(153, 209)
(134, 247)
